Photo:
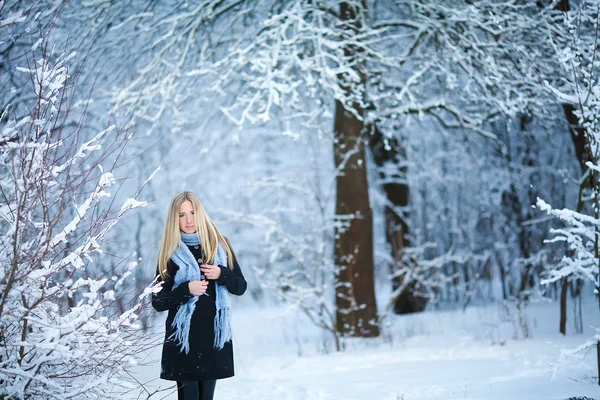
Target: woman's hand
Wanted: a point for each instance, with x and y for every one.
(211, 271)
(198, 288)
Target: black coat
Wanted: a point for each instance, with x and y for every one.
(203, 361)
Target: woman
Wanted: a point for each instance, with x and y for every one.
(196, 270)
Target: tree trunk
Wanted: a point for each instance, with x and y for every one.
(356, 312)
(598, 353)
(355, 291)
(389, 151)
(511, 208)
(563, 307)
(575, 289)
(577, 135)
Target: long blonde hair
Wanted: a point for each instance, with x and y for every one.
(207, 231)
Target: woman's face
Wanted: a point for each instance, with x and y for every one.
(187, 219)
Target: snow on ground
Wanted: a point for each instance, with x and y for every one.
(432, 355)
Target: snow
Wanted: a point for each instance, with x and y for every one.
(432, 355)
(131, 203)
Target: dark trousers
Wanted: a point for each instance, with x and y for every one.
(196, 390)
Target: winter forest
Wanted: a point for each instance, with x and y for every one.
(412, 188)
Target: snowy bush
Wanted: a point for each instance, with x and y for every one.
(60, 334)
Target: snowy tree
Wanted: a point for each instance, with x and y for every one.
(582, 226)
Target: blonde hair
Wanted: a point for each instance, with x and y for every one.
(208, 233)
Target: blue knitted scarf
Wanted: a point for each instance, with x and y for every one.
(190, 271)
